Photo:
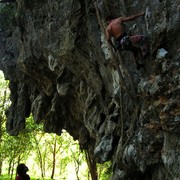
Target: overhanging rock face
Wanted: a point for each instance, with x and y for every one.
(57, 60)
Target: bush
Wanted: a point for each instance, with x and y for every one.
(5, 177)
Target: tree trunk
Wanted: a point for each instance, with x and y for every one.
(12, 169)
(9, 168)
(1, 164)
(2, 119)
(39, 157)
(92, 166)
(54, 159)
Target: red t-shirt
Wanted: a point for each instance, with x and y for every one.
(26, 177)
(18, 177)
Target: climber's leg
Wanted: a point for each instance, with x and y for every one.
(137, 56)
(140, 41)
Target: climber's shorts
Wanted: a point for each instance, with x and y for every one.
(140, 41)
(125, 42)
(118, 41)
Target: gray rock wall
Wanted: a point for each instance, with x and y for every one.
(59, 65)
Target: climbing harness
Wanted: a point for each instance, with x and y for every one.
(122, 42)
(125, 43)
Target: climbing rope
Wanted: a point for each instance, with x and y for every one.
(133, 96)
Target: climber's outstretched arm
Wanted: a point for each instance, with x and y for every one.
(131, 18)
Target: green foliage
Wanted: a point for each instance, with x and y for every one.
(105, 170)
(41, 151)
(4, 96)
(4, 177)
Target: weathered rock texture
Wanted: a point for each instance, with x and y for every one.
(55, 55)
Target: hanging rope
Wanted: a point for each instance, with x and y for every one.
(133, 97)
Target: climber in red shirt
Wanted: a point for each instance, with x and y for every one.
(135, 43)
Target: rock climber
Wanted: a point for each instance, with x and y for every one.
(134, 44)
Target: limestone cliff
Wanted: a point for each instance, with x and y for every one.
(57, 60)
